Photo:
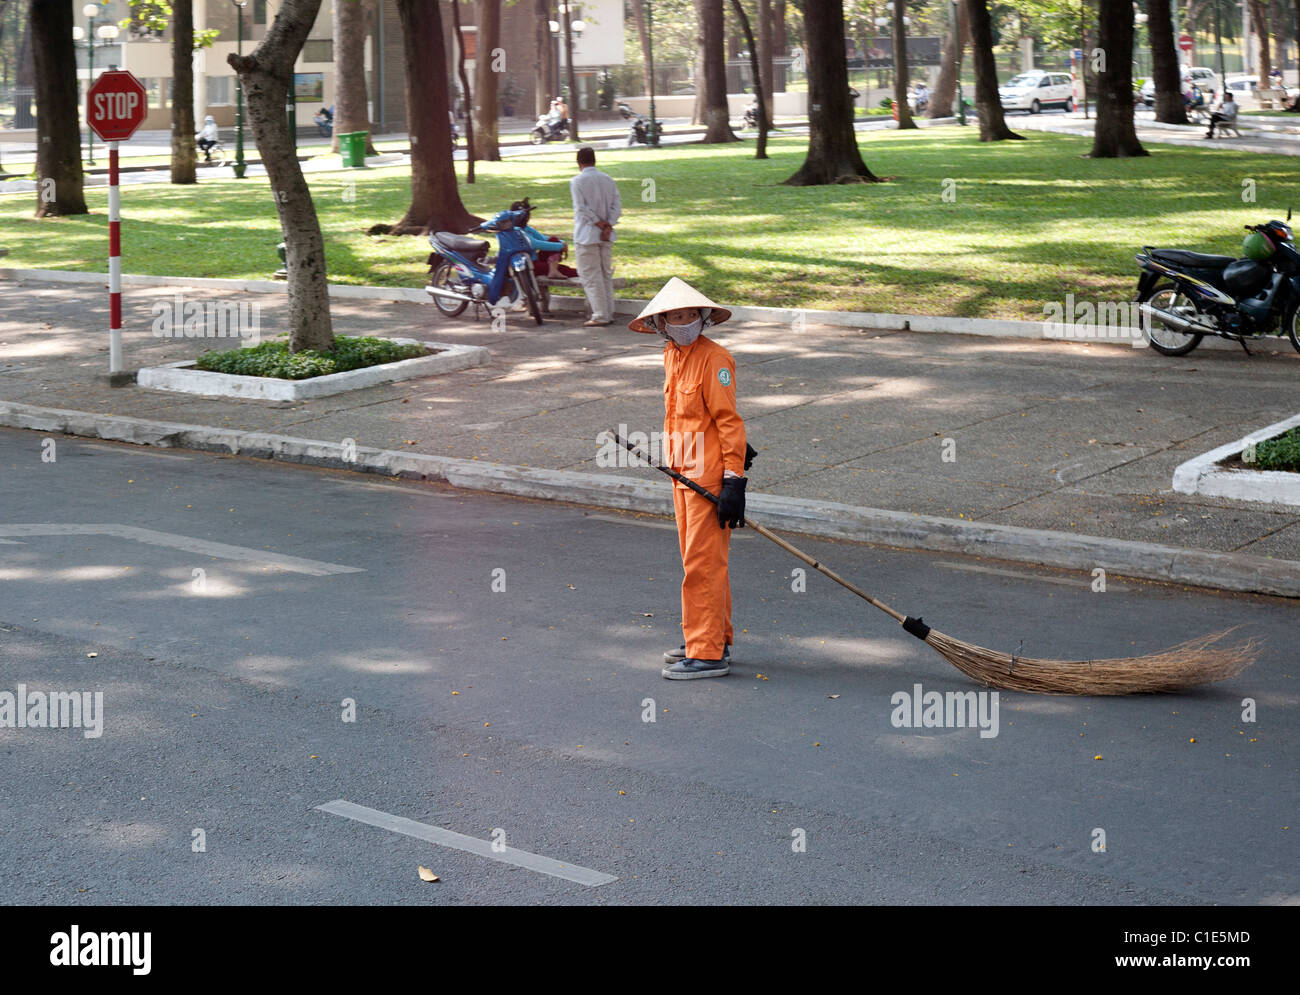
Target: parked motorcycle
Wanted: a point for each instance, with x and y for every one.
(639, 131)
(543, 131)
(460, 273)
(324, 121)
(1184, 296)
(750, 122)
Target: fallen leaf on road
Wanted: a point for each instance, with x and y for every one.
(428, 875)
(92, 655)
(832, 696)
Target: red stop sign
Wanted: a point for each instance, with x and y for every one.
(115, 105)
(1185, 42)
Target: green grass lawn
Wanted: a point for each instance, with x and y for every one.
(1028, 221)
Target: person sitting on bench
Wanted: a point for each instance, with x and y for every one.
(1225, 115)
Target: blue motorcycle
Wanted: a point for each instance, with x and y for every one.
(460, 273)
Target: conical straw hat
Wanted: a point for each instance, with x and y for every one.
(676, 294)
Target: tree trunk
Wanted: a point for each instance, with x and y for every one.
(350, 110)
(643, 36)
(1259, 24)
(760, 152)
(1114, 136)
(993, 126)
(486, 80)
(901, 76)
(717, 117)
(435, 198)
(266, 76)
(943, 98)
(833, 155)
(184, 159)
(1164, 64)
(697, 105)
(547, 85)
(464, 86)
(780, 45)
(58, 135)
(764, 13)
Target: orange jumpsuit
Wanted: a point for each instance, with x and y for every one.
(703, 437)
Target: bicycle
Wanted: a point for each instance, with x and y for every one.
(217, 155)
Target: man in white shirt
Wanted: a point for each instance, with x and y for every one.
(1226, 114)
(596, 209)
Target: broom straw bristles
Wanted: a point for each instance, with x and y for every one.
(1197, 661)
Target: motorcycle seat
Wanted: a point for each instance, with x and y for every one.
(1200, 260)
(474, 248)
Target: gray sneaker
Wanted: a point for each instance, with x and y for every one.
(689, 670)
(673, 656)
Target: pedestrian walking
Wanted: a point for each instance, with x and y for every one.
(596, 210)
(703, 439)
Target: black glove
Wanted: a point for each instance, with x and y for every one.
(731, 503)
(750, 453)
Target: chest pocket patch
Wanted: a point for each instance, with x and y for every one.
(690, 401)
(724, 377)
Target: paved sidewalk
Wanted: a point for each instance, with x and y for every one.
(1068, 437)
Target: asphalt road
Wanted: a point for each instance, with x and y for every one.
(522, 710)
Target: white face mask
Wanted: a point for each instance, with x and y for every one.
(683, 335)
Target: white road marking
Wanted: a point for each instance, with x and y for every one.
(470, 844)
(1023, 575)
(220, 550)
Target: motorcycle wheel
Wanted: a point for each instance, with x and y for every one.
(528, 284)
(537, 136)
(444, 277)
(1164, 340)
(1293, 326)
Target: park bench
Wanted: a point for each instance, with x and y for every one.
(545, 283)
(1270, 98)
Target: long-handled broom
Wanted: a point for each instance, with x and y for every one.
(1197, 661)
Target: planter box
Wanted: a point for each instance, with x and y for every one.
(184, 378)
(1203, 475)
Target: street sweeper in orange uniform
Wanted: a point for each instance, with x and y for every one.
(704, 439)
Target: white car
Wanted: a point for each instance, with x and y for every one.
(1206, 80)
(1034, 90)
(1245, 86)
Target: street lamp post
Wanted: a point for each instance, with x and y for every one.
(652, 133)
(569, 27)
(240, 166)
(955, 9)
(91, 11)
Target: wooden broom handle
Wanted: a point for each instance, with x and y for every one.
(766, 533)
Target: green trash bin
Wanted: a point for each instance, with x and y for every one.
(352, 146)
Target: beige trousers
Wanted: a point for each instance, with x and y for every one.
(596, 272)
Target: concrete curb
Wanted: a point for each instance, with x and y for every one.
(825, 519)
(847, 319)
(183, 378)
(1203, 475)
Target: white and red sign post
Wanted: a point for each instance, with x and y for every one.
(115, 107)
(1186, 42)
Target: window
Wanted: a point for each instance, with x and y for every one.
(218, 90)
(318, 50)
(259, 11)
